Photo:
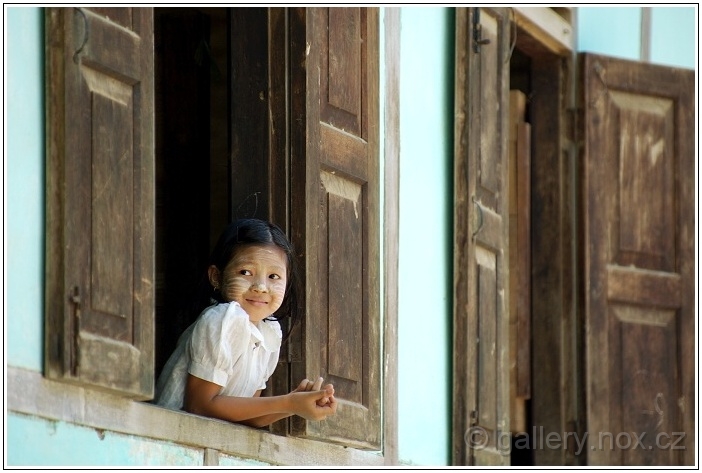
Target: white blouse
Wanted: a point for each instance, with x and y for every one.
(224, 347)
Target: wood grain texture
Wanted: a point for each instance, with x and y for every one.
(639, 258)
(481, 251)
(101, 153)
(341, 239)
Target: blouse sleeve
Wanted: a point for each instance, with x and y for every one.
(219, 339)
(272, 338)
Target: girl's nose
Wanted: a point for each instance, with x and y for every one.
(259, 287)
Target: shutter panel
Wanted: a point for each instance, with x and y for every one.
(481, 265)
(639, 262)
(342, 329)
(100, 203)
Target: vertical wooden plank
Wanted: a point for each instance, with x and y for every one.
(345, 281)
(523, 248)
(218, 56)
(56, 324)
(297, 96)
(391, 236)
(279, 138)
(517, 423)
(250, 162)
(279, 37)
(487, 345)
(300, 172)
(340, 197)
(112, 226)
(481, 250)
(551, 265)
(344, 30)
(464, 351)
(520, 270)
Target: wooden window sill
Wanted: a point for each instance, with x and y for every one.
(28, 392)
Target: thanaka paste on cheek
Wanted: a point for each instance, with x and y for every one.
(234, 287)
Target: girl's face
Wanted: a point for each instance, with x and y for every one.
(256, 278)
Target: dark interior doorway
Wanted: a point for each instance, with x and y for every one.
(192, 148)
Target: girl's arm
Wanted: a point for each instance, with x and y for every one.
(268, 419)
(203, 398)
(305, 385)
(263, 420)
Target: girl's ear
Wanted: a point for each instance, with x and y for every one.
(213, 276)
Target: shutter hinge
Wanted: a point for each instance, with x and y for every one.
(76, 300)
(478, 40)
(478, 215)
(86, 34)
(75, 297)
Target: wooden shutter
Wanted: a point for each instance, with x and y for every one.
(341, 236)
(481, 261)
(639, 262)
(100, 198)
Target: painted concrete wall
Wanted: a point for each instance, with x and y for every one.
(426, 210)
(24, 204)
(673, 36)
(42, 443)
(617, 31)
(614, 31)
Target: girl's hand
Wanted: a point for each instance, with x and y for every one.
(307, 385)
(313, 405)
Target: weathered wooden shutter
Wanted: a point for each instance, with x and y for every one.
(638, 170)
(341, 241)
(100, 198)
(481, 321)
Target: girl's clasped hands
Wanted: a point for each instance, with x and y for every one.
(318, 405)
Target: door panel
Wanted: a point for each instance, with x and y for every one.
(341, 239)
(100, 218)
(342, 87)
(481, 321)
(639, 262)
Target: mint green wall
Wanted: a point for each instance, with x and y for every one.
(42, 443)
(425, 259)
(24, 204)
(617, 31)
(673, 36)
(613, 31)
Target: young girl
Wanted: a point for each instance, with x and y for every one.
(223, 360)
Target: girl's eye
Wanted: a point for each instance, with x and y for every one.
(274, 276)
(245, 272)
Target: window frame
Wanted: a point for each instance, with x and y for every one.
(119, 413)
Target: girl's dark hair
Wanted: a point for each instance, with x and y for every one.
(248, 231)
